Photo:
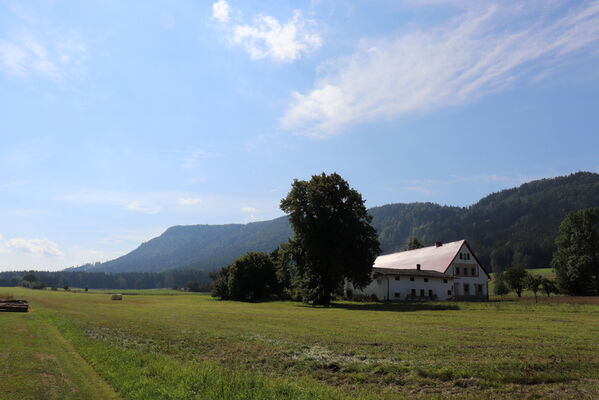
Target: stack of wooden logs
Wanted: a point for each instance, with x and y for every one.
(14, 305)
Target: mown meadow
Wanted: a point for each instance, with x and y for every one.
(173, 345)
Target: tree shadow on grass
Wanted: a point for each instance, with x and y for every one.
(394, 307)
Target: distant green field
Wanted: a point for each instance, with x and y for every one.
(151, 346)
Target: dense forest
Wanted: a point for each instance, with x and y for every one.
(101, 280)
(512, 227)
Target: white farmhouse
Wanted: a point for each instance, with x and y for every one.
(445, 271)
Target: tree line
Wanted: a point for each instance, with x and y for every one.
(101, 280)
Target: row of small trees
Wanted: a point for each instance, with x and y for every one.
(517, 279)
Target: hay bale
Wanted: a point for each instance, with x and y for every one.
(117, 296)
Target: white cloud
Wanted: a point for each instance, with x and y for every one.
(268, 38)
(42, 247)
(249, 209)
(482, 51)
(54, 56)
(220, 11)
(138, 207)
(190, 201)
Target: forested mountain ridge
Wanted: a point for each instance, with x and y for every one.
(515, 226)
(204, 247)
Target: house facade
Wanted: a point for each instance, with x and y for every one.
(445, 271)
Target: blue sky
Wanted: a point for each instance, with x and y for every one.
(120, 119)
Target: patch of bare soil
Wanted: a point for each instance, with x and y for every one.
(44, 357)
(21, 330)
(47, 379)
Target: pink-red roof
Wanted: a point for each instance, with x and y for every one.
(430, 258)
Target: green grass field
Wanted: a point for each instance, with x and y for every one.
(182, 346)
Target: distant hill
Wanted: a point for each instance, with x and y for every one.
(204, 247)
(511, 227)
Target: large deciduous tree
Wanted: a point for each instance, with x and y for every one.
(576, 260)
(333, 239)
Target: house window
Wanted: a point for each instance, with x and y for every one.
(468, 256)
(426, 279)
(396, 294)
(479, 289)
(449, 292)
(396, 278)
(421, 292)
(465, 271)
(444, 280)
(461, 256)
(466, 288)
(430, 293)
(472, 271)
(457, 270)
(411, 279)
(414, 292)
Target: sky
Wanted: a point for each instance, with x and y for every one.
(120, 119)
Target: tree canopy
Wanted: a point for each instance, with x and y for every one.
(414, 244)
(515, 278)
(252, 277)
(576, 260)
(333, 238)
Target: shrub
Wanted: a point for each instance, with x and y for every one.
(192, 286)
(38, 285)
(252, 277)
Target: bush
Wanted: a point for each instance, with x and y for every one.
(38, 285)
(192, 286)
(252, 277)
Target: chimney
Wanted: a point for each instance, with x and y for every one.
(438, 244)
(418, 267)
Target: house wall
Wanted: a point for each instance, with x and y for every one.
(441, 289)
(462, 279)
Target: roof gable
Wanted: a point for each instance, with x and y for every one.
(430, 258)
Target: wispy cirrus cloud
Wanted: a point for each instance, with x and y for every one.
(484, 50)
(268, 38)
(127, 200)
(55, 56)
